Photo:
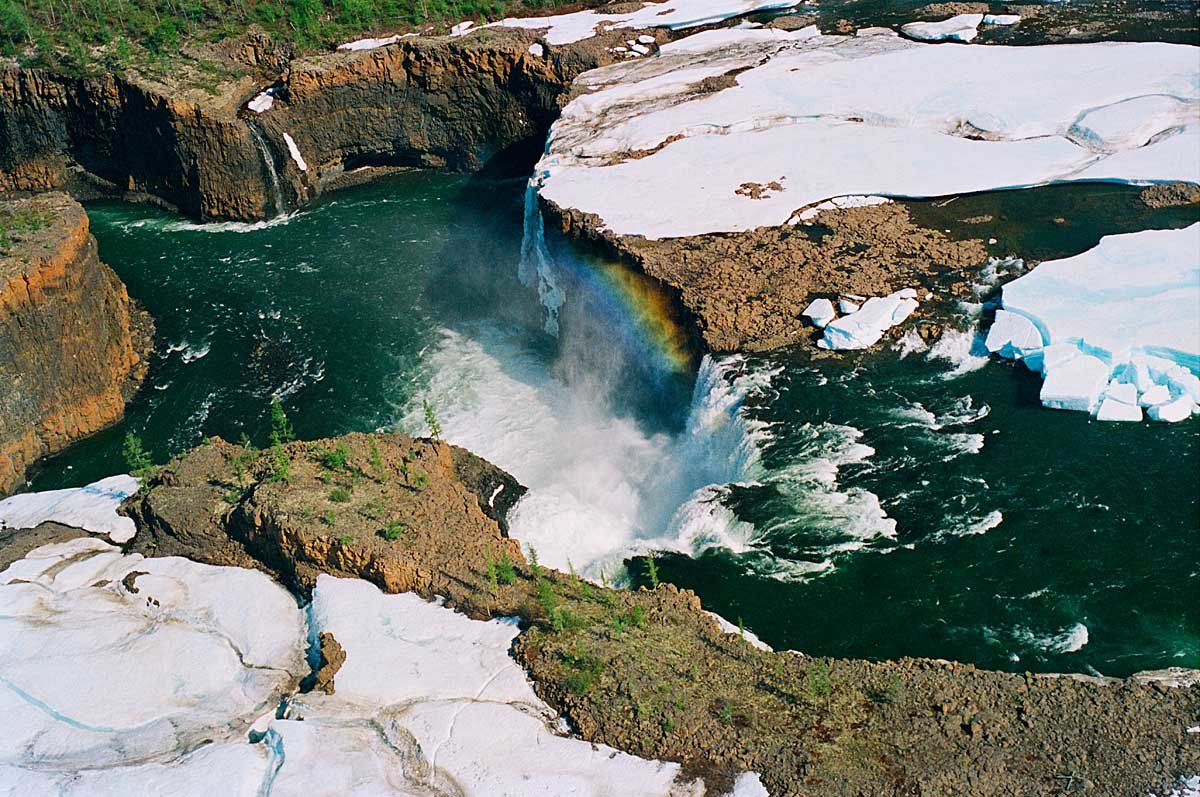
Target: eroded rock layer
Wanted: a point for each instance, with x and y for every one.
(71, 341)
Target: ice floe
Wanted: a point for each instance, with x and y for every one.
(92, 508)
(1113, 330)
(862, 327)
(960, 28)
(805, 117)
(675, 14)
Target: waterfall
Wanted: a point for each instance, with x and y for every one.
(268, 161)
(535, 266)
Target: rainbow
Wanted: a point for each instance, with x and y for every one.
(644, 312)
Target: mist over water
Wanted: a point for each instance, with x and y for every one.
(911, 501)
(624, 448)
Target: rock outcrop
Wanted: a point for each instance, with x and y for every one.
(71, 340)
(746, 289)
(433, 102)
(403, 513)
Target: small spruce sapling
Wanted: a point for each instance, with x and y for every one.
(652, 572)
(137, 458)
(435, 428)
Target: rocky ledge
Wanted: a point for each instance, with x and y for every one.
(72, 343)
(649, 671)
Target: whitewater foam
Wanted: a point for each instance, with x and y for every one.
(601, 487)
(963, 349)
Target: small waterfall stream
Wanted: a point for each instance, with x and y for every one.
(536, 265)
(269, 162)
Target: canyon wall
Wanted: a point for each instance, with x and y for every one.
(431, 102)
(71, 341)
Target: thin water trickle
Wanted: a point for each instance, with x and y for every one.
(268, 161)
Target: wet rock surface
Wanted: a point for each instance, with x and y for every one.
(72, 343)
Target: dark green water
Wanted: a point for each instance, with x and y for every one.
(884, 506)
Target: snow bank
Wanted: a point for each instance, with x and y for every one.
(863, 326)
(1113, 330)
(371, 44)
(262, 102)
(445, 691)
(810, 119)
(295, 152)
(121, 674)
(960, 28)
(92, 508)
(674, 14)
(111, 659)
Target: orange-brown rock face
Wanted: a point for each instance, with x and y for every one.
(437, 102)
(106, 135)
(69, 335)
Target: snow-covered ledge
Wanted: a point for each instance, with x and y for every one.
(673, 14)
(92, 508)
(684, 144)
(126, 675)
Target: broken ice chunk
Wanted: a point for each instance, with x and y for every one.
(1173, 411)
(1122, 392)
(1001, 19)
(847, 306)
(1184, 381)
(962, 28)
(1155, 394)
(1076, 384)
(864, 328)
(1113, 410)
(1013, 335)
(820, 312)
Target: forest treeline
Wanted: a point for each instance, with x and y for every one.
(83, 34)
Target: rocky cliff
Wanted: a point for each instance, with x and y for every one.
(439, 102)
(70, 338)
